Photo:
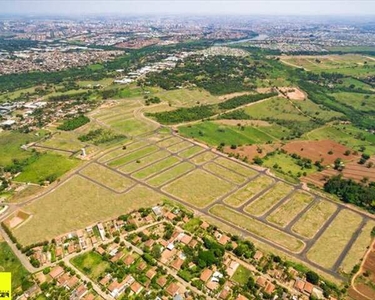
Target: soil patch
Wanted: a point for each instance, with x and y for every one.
(252, 151)
(292, 93)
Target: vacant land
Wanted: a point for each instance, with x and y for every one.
(91, 263)
(46, 166)
(358, 249)
(241, 275)
(236, 167)
(170, 174)
(198, 188)
(328, 248)
(133, 156)
(326, 151)
(107, 177)
(258, 228)
(224, 173)
(187, 97)
(118, 152)
(143, 162)
(76, 204)
(251, 189)
(10, 263)
(179, 147)
(309, 224)
(290, 209)
(190, 152)
(169, 142)
(261, 205)
(203, 157)
(157, 167)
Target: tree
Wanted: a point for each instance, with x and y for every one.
(312, 277)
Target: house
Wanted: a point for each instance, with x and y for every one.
(258, 255)
(224, 293)
(299, 285)
(56, 272)
(231, 269)
(308, 288)
(129, 260)
(205, 225)
(173, 289)
(79, 292)
(224, 239)
(241, 297)
(162, 281)
(177, 263)
(136, 287)
(151, 273)
(101, 231)
(72, 282)
(157, 211)
(186, 239)
(205, 275)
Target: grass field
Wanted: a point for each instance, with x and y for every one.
(170, 174)
(327, 249)
(76, 204)
(133, 156)
(261, 205)
(248, 191)
(214, 134)
(10, 146)
(238, 168)
(143, 162)
(46, 166)
(118, 152)
(289, 210)
(10, 263)
(241, 275)
(358, 249)
(286, 164)
(190, 152)
(316, 111)
(91, 264)
(187, 97)
(224, 173)
(107, 177)
(168, 142)
(155, 168)
(258, 228)
(359, 101)
(203, 158)
(314, 218)
(198, 188)
(64, 140)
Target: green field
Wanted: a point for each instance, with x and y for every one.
(156, 168)
(203, 157)
(90, 263)
(261, 205)
(214, 134)
(179, 147)
(133, 156)
(241, 275)
(46, 166)
(198, 188)
(10, 263)
(190, 152)
(359, 101)
(143, 162)
(10, 146)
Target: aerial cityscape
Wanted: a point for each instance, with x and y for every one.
(187, 150)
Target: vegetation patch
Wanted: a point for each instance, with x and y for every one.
(74, 123)
(156, 168)
(203, 157)
(190, 152)
(101, 136)
(143, 162)
(91, 264)
(133, 156)
(236, 167)
(170, 174)
(241, 275)
(224, 173)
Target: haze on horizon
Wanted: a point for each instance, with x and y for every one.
(244, 7)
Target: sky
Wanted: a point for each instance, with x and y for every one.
(243, 7)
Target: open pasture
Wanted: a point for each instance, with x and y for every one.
(327, 249)
(261, 205)
(198, 188)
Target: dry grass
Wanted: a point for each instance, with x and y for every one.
(76, 204)
(275, 236)
(180, 146)
(224, 173)
(198, 188)
(133, 156)
(170, 174)
(107, 177)
(168, 142)
(261, 205)
(190, 152)
(203, 157)
(358, 249)
(241, 169)
(327, 249)
(118, 152)
(314, 218)
(156, 168)
(143, 162)
(249, 190)
(289, 210)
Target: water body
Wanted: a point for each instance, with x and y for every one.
(259, 37)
